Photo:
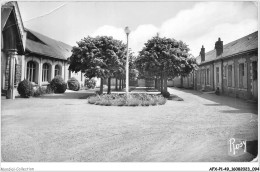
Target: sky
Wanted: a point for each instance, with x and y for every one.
(195, 23)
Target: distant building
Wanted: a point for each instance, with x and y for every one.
(230, 68)
(26, 54)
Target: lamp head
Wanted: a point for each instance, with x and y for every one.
(127, 30)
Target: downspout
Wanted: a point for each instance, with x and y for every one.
(213, 77)
(222, 79)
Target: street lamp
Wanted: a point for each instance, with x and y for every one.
(127, 31)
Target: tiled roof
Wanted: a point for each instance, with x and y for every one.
(247, 43)
(53, 48)
(5, 12)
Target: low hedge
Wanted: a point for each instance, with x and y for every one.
(122, 100)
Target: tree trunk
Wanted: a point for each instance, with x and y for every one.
(162, 83)
(181, 81)
(155, 83)
(158, 83)
(116, 84)
(165, 83)
(109, 85)
(101, 86)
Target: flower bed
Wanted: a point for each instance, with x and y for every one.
(123, 100)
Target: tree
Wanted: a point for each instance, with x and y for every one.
(100, 57)
(164, 58)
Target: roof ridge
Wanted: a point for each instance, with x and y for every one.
(227, 44)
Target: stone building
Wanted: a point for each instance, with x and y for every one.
(26, 54)
(229, 68)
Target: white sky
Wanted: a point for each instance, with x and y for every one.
(195, 23)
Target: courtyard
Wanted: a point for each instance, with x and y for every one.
(64, 127)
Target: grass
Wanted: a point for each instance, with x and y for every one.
(122, 100)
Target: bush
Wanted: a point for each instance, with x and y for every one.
(161, 100)
(90, 83)
(25, 88)
(58, 85)
(73, 84)
(39, 91)
(166, 94)
(49, 90)
(123, 100)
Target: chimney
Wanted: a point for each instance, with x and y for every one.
(219, 47)
(202, 53)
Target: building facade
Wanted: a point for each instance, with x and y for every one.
(231, 69)
(26, 54)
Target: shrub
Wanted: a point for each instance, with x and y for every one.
(49, 90)
(39, 91)
(73, 84)
(25, 88)
(58, 85)
(166, 94)
(90, 83)
(123, 100)
(161, 100)
(133, 101)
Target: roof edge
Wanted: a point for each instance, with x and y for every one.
(226, 57)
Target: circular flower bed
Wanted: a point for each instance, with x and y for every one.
(123, 100)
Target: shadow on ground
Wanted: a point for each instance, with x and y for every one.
(240, 105)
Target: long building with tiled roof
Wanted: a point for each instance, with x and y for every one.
(229, 69)
(27, 54)
(242, 45)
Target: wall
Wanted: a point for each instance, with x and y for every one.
(245, 88)
(39, 61)
(177, 82)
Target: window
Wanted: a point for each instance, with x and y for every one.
(225, 71)
(217, 75)
(254, 66)
(45, 72)
(207, 77)
(230, 75)
(201, 77)
(241, 74)
(31, 68)
(57, 70)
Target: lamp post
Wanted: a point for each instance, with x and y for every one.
(127, 31)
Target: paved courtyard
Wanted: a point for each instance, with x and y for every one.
(64, 128)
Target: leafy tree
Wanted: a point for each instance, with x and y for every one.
(165, 58)
(100, 57)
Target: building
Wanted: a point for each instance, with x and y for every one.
(229, 68)
(26, 54)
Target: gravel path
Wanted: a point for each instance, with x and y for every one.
(64, 128)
